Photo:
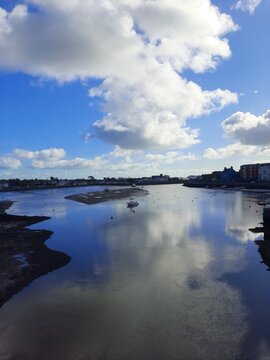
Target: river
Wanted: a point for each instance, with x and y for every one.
(179, 278)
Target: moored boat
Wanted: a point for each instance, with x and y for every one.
(132, 203)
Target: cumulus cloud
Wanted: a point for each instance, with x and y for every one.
(247, 5)
(236, 149)
(7, 162)
(229, 151)
(138, 49)
(118, 152)
(76, 163)
(134, 168)
(51, 158)
(251, 133)
(117, 161)
(152, 111)
(248, 129)
(51, 154)
(85, 38)
(170, 157)
(139, 163)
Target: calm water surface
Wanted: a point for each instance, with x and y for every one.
(180, 278)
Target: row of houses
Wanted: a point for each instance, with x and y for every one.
(145, 180)
(250, 173)
(227, 175)
(255, 172)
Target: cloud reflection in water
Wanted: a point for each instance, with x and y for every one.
(162, 294)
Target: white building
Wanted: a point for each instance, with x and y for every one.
(264, 172)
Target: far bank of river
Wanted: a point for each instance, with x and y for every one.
(227, 185)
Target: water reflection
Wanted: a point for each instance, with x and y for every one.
(48, 202)
(241, 214)
(241, 233)
(145, 285)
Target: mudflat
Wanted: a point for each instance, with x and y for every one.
(107, 195)
(23, 254)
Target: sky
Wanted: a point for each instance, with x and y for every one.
(133, 87)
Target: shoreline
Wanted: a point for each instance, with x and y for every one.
(47, 187)
(97, 197)
(230, 186)
(23, 254)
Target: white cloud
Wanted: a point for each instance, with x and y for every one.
(23, 154)
(138, 163)
(115, 163)
(51, 154)
(118, 152)
(152, 111)
(229, 151)
(7, 162)
(251, 133)
(134, 168)
(68, 40)
(237, 149)
(248, 129)
(138, 48)
(85, 38)
(247, 5)
(170, 157)
(95, 163)
(52, 158)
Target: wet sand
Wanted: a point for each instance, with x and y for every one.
(107, 195)
(23, 254)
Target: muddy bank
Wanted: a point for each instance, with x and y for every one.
(263, 245)
(23, 254)
(107, 195)
(4, 205)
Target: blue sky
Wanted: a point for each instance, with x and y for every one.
(132, 88)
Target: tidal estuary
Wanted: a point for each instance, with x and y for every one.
(179, 277)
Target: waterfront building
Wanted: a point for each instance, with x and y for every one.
(229, 175)
(249, 172)
(264, 172)
(160, 178)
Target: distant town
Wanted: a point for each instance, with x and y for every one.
(53, 182)
(249, 176)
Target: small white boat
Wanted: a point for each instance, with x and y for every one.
(132, 203)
